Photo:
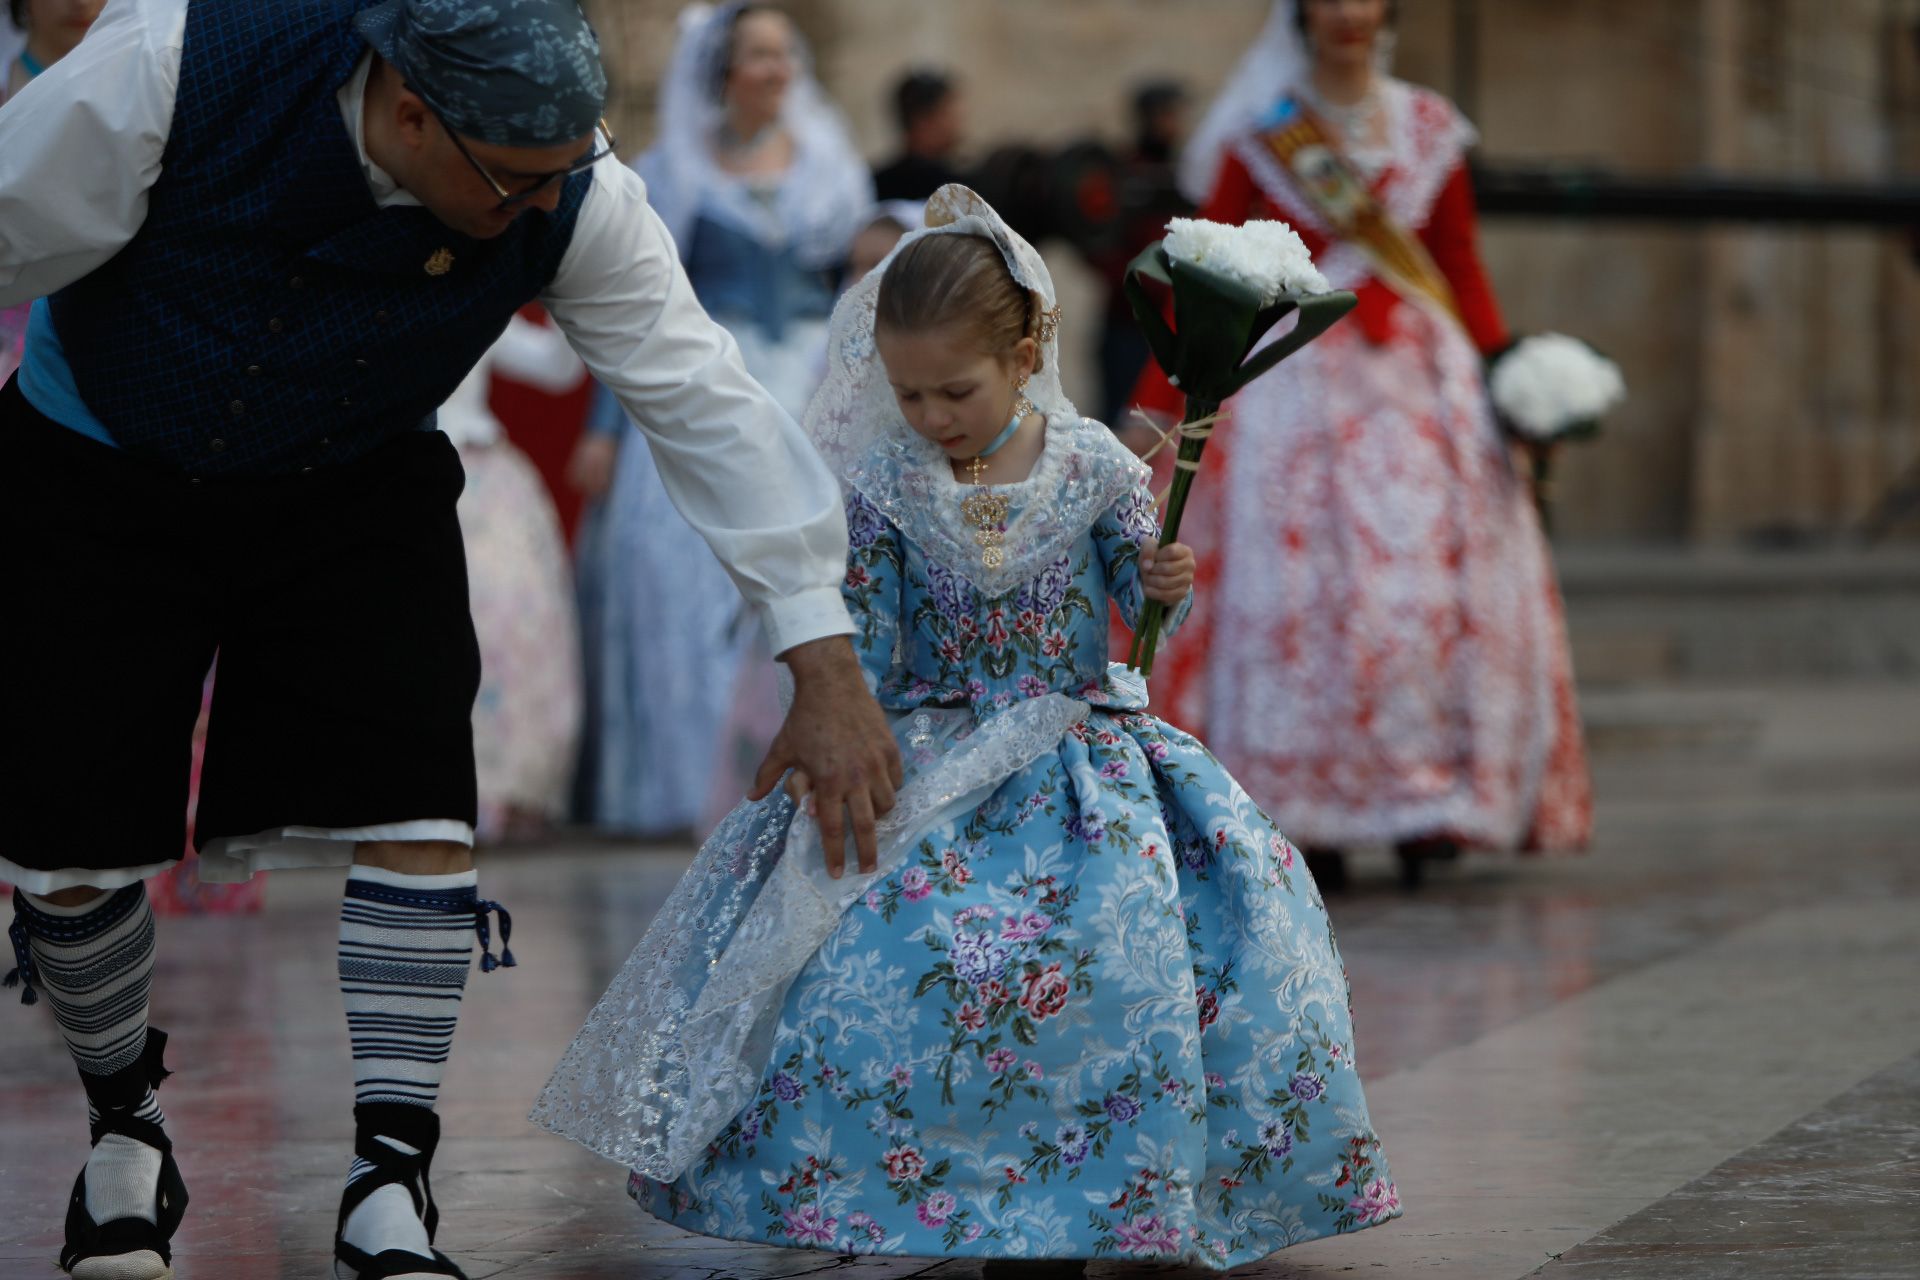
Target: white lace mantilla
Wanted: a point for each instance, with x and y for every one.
(676, 1048)
(856, 424)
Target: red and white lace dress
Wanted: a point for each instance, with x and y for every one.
(1379, 651)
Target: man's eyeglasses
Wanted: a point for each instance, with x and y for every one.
(603, 147)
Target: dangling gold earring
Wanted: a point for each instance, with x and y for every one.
(1022, 407)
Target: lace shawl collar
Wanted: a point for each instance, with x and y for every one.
(1082, 472)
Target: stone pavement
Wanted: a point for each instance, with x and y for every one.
(1695, 1052)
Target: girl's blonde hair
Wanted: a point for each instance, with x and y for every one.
(957, 280)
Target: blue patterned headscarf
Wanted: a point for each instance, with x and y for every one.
(510, 73)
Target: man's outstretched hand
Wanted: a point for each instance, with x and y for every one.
(837, 743)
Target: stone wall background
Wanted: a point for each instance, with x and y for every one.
(1775, 384)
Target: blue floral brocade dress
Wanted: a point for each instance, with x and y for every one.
(1101, 1014)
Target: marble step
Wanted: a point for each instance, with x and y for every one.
(1666, 616)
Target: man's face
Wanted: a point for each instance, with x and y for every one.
(452, 184)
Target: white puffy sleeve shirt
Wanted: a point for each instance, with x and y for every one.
(82, 144)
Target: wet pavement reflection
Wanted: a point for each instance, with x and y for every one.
(1695, 844)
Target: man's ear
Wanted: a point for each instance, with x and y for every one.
(412, 120)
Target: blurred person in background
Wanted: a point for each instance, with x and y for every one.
(931, 113)
(755, 713)
(886, 223)
(38, 34)
(526, 717)
(1380, 653)
(756, 177)
(1147, 182)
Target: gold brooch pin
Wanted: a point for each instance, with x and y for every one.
(440, 263)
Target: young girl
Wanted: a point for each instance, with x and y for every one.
(1089, 1002)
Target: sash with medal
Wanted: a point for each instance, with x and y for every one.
(1309, 154)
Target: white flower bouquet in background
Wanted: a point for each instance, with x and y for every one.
(1548, 389)
(1231, 286)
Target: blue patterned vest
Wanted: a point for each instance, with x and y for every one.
(269, 317)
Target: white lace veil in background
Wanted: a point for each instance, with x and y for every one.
(1277, 62)
(822, 197)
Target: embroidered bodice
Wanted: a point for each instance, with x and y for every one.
(929, 636)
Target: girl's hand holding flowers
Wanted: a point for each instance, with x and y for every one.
(1166, 573)
(1231, 287)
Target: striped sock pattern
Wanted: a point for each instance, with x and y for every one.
(95, 964)
(148, 1110)
(406, 944)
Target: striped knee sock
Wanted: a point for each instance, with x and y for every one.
(95, 963)
(406, 944)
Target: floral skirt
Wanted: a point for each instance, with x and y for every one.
(1102, 1015)
(526, 718)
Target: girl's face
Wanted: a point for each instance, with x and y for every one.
(762, 66)
(1344, 31)
(950, 391)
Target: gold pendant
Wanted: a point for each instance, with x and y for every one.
(440, 263)
(987, 511)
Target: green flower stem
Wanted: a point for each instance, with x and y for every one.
(1146, 635)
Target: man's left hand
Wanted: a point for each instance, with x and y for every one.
(837, 743)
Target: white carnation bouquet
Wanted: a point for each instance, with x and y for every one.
(1268, 257)
(1230, 286)
(1548, 389)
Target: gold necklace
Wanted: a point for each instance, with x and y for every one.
(986, 510)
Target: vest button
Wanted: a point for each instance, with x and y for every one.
(217, 445)
(254, 371)
(275, 324)
(326, 442)
(360, 363)
(238, 408)
(346, 402)
(298, 282)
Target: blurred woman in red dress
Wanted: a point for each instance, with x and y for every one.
(1379, 652)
